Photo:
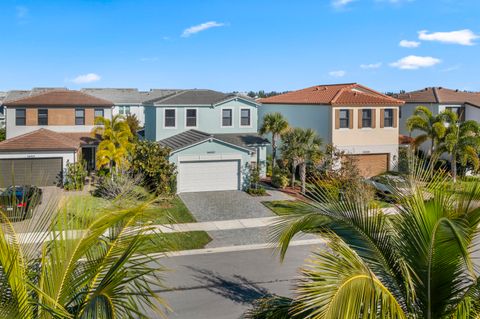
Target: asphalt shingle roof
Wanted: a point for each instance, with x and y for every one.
(128, 95)
(40, 140)
(334, 94)
(192, 137)
(440, 95)
(196, 97)
(62, 97)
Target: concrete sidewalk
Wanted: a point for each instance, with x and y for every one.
(219, 225)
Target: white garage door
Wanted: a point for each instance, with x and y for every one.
(205, 176)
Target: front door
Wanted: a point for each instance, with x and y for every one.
(88, 155)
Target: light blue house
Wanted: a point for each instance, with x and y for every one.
(212, 135)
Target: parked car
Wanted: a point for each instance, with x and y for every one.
(18, 202)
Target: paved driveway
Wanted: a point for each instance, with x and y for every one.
(225, 205)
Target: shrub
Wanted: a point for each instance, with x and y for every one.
(75, 176)
(151, 161)
(280, 178)
(260, 191)
(116, 186)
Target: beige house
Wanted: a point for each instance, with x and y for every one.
(354, 118)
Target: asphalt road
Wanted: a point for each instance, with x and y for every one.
(224, 285)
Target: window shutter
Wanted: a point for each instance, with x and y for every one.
(382, 118)
(337, 119)
(395, 117)
(374, 118)
(360, 118)
(350, 119)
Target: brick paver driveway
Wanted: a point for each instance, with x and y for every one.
(225, 205)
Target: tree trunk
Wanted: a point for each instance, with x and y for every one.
(303, 175)
(454, 166)
(274, 151)
(294, 169)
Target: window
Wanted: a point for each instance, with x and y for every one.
(170, 118)
(344, 117)
(388, 118)
(79, 116)
(245, 117)
(20, 117)
(366, 118)
(42, 117)
(191, 118)
(98, 113)
(460, 111)
(227, 117)
(124, 110)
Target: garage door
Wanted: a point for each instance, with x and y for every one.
(30, 171)
(202, 176)
(371, 164)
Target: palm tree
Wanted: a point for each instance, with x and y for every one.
(432, 126)
(461, 142)
(80, 261)
(133, 123)
(417, 263)
(116, 143)
(275, 124)
(301, 147)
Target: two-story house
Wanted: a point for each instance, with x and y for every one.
(355, 119)
(46, 129)
(212, 136)
(129, 100)
(437, 100)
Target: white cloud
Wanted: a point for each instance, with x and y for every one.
(337, 74)
(22, 12)
(462, 37)
(371, 65)
(409, 44)
(86, 78)
(414, 62)
(201, 27)
(340, 3)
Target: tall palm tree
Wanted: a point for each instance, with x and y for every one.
(301, 147)
(461, 142)
(79, 261)
(116, 142)
(432, 127)
(275, 124)
(417, 263)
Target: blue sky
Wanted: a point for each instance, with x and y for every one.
(240, 45)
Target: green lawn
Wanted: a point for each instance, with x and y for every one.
(172, 211)
(285, 207)
(176, 241)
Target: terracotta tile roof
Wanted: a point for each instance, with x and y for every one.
(58, 97)
(440, 95)
(334, 94)
(405, 139)
(40, 140)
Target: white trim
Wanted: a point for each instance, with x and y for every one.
(163, 119)
(213, 139)
(206, 158)
(235, 98)
(240, 117)
(221, 117)
(196, 116)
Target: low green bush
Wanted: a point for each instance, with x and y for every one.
(75, 176)
(280, 178)
(257, 191)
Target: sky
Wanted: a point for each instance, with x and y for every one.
(233, 45)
